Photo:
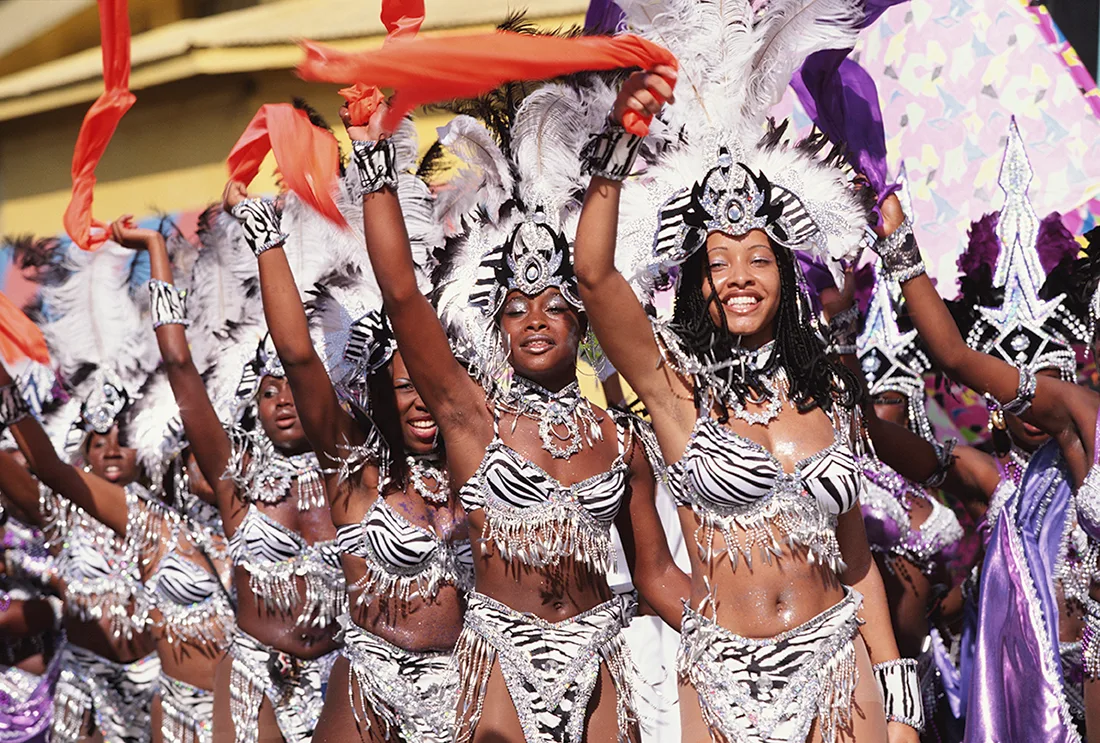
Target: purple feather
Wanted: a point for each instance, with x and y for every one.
(1055, 243)
(983, 249)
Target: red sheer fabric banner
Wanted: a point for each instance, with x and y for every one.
(402, 19)
(429, 70)
(19, 337)
(100, 123)
(306, 155)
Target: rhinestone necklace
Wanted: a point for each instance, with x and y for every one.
(423, 470)
(564, 416)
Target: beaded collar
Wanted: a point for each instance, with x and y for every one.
(564, 416)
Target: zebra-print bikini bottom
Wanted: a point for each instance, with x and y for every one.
(187, 712)
(295, 687)
(410, 693)
(94, 693)
(770, 690)
(550, 668)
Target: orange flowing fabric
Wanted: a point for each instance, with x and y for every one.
(100, 123)
(402, 19)
(429, 70)
(307, 156)
(19, 337)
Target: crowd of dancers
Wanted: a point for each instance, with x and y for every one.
(339, 482)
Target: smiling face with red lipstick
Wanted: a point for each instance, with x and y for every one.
(543, 333)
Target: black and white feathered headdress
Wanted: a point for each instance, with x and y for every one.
(719, 171)
(513, 211)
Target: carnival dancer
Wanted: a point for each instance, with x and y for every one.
(109, 668)
(403, 536)
(541, 472)
(754, 418)
(267, 487)
(1029, 538)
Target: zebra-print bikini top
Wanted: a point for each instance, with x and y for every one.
(403, 559)
(732, 481)
(534, 518)
(192, 602)
(94, 564)
(275, 557)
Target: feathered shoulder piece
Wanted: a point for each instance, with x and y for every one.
(722, 171)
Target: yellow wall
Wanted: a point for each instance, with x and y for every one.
(169, 151)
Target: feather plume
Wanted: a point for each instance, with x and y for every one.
(225, 283)
(485, 180)
(153, 425)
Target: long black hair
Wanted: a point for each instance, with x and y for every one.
(816, 380)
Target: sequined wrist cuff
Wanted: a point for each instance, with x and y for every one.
(13, 408)
(167, 304)
(260, 223)
(376, 164)
(1025, 393)
(1090, 637)
(945, 456)
(901, 260)
(900, 686)
(611, 153)
(843, 331)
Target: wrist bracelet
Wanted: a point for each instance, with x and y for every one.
(376, 164)
(167, 304)
(901, 260)
(900, 687)
(945, 456)
(611, 153)
(1090, 637)
(1025, 393)
(13, 408)
(843, 331)
(260, 223)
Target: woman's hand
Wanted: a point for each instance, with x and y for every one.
(128, 235)
(371, 130)
(645, 93)
(892, 216)
(235, 192)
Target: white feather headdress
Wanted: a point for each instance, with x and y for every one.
(723, 172)
(516, 201)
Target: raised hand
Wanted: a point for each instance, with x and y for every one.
(127, 234)
(645, 93)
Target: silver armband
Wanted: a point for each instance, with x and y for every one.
(945, 457)
(900, 687)
(611, 153)
(167, 304)
(376, 164)
(260, 223)
(901, 260)
(843, 331)
(1025, 393)
(13, 408)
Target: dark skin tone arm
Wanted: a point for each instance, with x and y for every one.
(26, 618)
(104, 501)
(209, 441)
(325, 423)
(21, 487)
(1065, 411)
(456, 401)
(654, 572)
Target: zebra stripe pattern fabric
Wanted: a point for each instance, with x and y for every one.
(114, 696)
(188, 712)
(550, 668)
(413, 694)
(771, 690)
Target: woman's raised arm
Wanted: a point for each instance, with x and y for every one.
(327, 426)
(208, 439)
(456, 402)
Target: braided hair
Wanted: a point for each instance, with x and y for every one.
(816, 380)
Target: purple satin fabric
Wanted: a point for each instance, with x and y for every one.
(1011, 697)
(950, 677)
(28, 721)
(603, 17)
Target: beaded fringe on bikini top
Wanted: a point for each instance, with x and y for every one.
(265, 475)
(154, 531)
(93, 592)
